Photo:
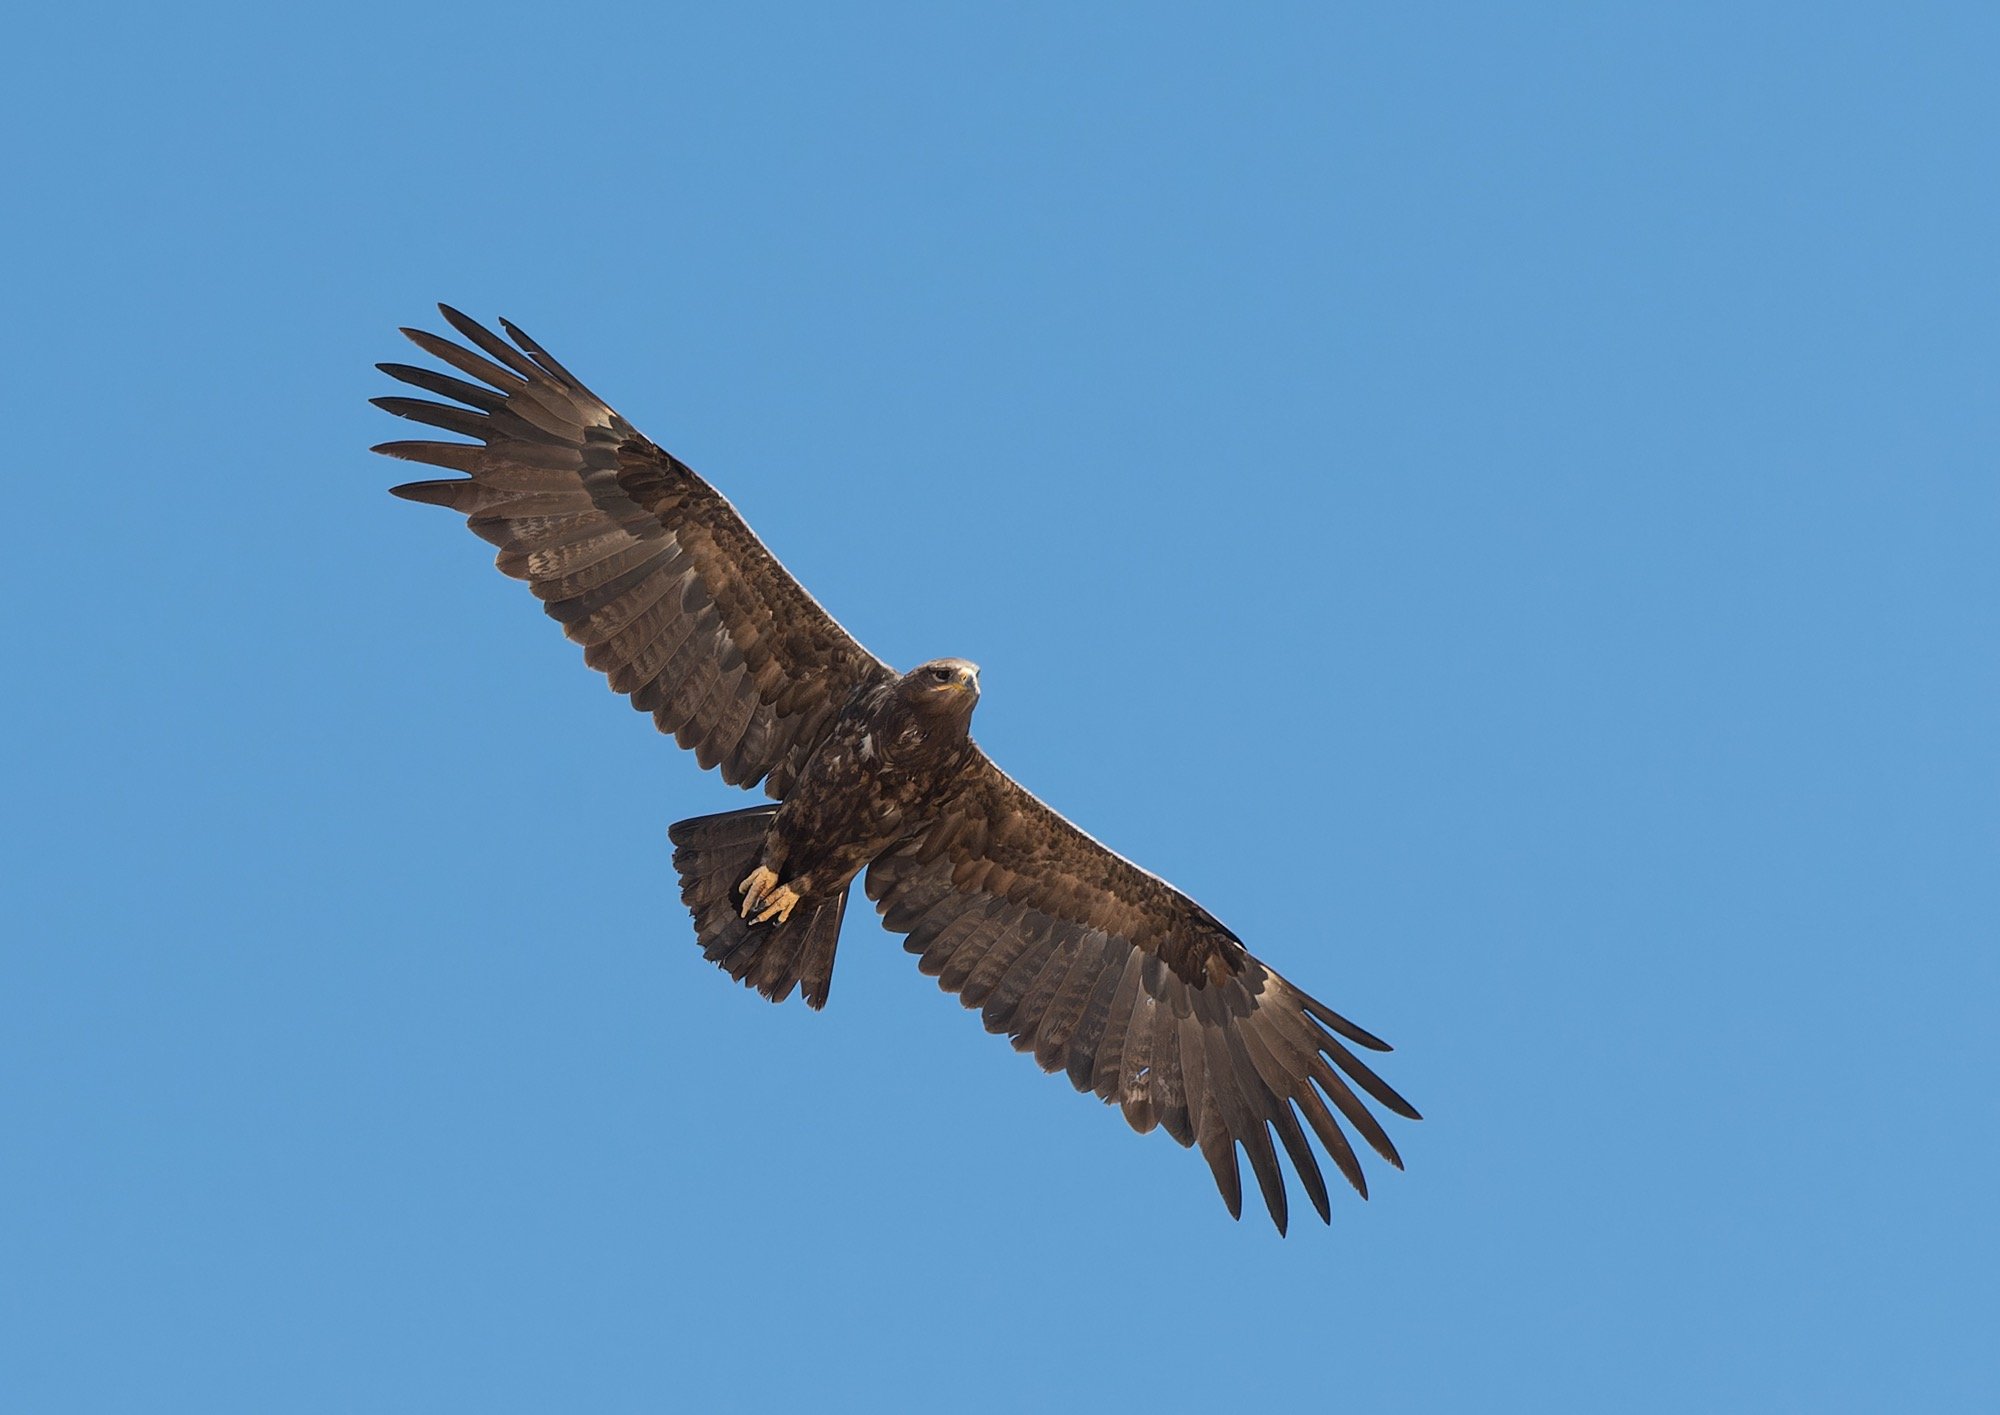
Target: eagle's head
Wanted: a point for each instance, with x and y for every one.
(946, 686)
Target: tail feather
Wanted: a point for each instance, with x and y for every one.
(713, 854)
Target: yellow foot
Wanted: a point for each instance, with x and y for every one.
(778, 904)
(759, 883)
(766, 897)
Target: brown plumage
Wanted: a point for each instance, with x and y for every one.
(1099, 969)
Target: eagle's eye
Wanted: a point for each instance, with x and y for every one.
(940, 675)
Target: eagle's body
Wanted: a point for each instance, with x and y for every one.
(1098, 968)
(891, 757)
(891, 760)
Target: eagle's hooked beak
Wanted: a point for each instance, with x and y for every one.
(965, 679)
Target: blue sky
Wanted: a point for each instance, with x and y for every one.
(1528, 472)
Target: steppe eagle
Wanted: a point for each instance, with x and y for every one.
(1099, 969)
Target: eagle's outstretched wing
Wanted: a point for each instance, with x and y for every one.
(1111, 974)
(643, 562)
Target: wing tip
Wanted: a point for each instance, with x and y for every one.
(430, 493)
(1382, 1145)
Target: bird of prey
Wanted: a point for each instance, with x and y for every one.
(1096, 967)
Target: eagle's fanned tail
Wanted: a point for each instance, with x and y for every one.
(712, 855)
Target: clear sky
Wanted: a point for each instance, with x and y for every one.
(1499, 502)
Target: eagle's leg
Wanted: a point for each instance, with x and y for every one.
(762, 893)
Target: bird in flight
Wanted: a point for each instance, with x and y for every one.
(1096, 967)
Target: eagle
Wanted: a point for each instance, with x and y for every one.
(1095, 967)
